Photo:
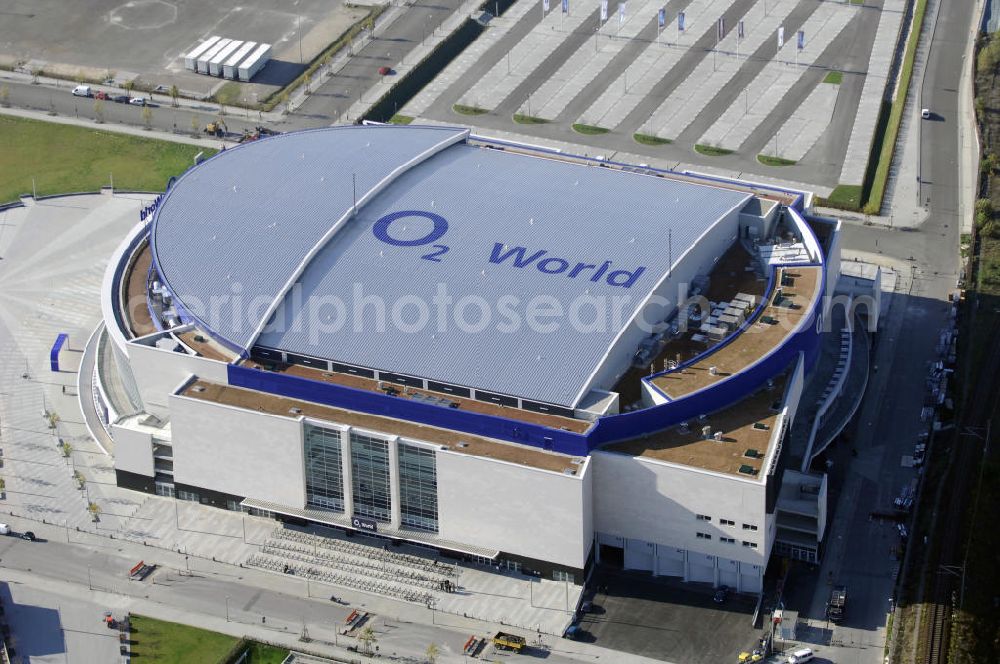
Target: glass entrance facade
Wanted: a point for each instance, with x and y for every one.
(324, 472)
(418, 487)
(370, 481)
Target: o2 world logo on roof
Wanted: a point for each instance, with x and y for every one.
(502, 254)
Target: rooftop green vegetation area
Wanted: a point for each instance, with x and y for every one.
(64, 159)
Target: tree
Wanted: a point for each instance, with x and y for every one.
(307, 79)
(129, 85)
(35, 73)
(285, 101)
(67, 449)
(95, 511)
(53, 418)
(195, 125)
(99, 111)
(174, 94)
(4, 95)
(147, 117)
(432, 653)
(222, 108)
(367, 639)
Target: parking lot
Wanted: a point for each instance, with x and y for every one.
(148, 38)
(666, 620)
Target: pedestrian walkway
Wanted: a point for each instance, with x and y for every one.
(528, 54)
(883, 51)
(653, 64)
(769, 88)
(804, 126)
(496, 31)
(580, 69)
(689, 99)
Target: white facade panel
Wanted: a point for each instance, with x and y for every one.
(133, 450)
(645, 499)
(238, 452)
(515, 509)
(159, 372)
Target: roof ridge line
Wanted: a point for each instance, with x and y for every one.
(458, 136)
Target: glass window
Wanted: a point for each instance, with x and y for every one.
(324, 469)
(418, 487)
(370, 481)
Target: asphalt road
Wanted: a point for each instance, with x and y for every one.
(888, 423)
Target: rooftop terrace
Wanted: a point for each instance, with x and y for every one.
(746, 427)
(796, 289)
(137, 318)
(237, 397)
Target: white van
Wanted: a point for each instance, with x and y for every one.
(801, 655)
(82, 91)
(4, 529)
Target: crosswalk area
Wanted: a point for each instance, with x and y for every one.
(733, 75)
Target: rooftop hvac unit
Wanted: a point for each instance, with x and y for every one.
(770, 383)
(713, 371)
(295, 411)
(702, 417)
(717, 436)
(685, 427)
(706, 431)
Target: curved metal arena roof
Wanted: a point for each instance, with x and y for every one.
(260, 244)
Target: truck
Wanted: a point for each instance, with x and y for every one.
(505, 641)
(838, 603)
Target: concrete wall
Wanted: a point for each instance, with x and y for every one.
(158, 372)
(647, 500)
(238, 452)
(133, 450)
(515, 509)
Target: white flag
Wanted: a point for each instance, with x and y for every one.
(621, 13)
(604, 10)
(545, 5)
(781, 36)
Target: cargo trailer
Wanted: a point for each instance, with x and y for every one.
(191, 59)
(207, 56)
(254, 62)
(230, 68)
(215, 66)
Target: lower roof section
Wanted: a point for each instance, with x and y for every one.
(455, 441)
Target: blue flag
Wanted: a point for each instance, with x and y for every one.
(739, 30)
(565, 6)
(661, 17)
(680, 21)
(801, 39)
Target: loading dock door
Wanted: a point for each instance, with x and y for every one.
(638, 555)
(670, 561)
(729, 573)
(701, 567)
(613, 556)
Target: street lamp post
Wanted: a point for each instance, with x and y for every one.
(227, 608)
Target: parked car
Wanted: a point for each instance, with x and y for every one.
(384, 71)
(801, 655)
(925, 113)
(141, 101)
(101, 94)
(28, 535)
(120, 99)
(721, 595)
(4, 529)
(82, 91)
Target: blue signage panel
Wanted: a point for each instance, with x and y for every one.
(364, 523)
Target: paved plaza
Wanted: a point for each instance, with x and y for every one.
(723, 84)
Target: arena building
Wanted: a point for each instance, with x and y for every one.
(514, 356)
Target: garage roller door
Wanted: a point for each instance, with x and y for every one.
(670, 561)
(638, 555)
(701, 567)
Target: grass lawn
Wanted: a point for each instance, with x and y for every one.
(65, 159)
(835, 77)
(711, 150)
(520, 118)
(462, 109)
(769, 160)
(160, 642)
(845, 196)
(647, 139)
(400, 119)
(265, 654)
(589, 130)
